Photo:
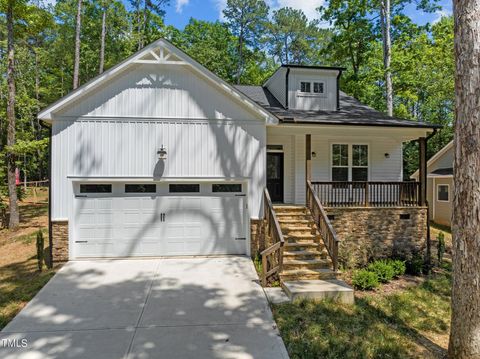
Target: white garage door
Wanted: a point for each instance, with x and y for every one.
(161, 223)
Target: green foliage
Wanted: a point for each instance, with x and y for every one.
(383, 270)
(40, 250)
(414, 266)
(364, 279)
(440, 247)
(399, 267)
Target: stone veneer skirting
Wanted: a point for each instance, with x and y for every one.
(59, 241)
(368, 233)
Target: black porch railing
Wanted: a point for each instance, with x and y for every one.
(368, 194)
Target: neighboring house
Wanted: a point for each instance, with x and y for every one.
(158, 156)
(440, 185)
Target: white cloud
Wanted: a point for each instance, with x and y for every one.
(309, 7)
(441, 13)
(180, 4)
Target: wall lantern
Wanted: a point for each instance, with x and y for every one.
(387, 155)
(314, 154)
(162, 153)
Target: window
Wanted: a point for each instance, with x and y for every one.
(443, 193)
(140, 188)
(186, 188)
(359, 163)
(305, 87)
(349, 162)
(318, 87)
(237, 187)
(339, 162)
(95, 188)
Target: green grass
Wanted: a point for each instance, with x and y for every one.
(397, 325)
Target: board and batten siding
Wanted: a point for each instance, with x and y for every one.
(159, 91)
(128, 149)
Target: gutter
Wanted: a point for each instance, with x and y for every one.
(338, 89)
(286, 87)
(50, 235)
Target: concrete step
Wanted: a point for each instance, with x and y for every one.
(307, 274)
(319, 289)
(291, 263)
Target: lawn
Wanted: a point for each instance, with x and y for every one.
(20, 279)
(410, 321)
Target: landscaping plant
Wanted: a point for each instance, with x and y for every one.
(40, 250)
(364, 279)
(383, 269)
(399, 267)
(441, 247)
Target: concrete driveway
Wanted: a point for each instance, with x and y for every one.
(158, 308)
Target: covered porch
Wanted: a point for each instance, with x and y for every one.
(348, 166)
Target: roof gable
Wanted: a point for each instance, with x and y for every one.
(155, 57)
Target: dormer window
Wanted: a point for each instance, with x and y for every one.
(305, 87)
(318, 87)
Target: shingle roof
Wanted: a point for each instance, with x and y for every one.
(443, 172)
(352, 112)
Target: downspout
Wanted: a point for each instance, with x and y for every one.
(338, 89)
(286, 87)
(50, 241)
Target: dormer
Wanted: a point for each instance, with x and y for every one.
(307, 88)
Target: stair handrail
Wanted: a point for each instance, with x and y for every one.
(272, 228)
(324, 225)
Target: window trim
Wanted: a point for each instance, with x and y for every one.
(350, 159)
(448, 192)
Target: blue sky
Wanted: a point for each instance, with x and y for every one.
(180, 11)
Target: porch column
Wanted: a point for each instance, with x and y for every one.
(422, 141)
(308, 157)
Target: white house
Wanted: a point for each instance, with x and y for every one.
(158, 156)
(440, 185)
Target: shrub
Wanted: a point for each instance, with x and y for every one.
(364, 280)
(40, 250)
(398, 266)
(383, 269)
(415, 265)
(441, 247)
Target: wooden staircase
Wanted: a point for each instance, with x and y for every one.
(305, 256)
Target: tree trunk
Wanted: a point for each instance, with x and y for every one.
(465, 329)
(387, 53)
(76, 66)
(240, 57)
(14, 219)
(102, 39)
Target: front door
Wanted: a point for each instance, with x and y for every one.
(275, 176)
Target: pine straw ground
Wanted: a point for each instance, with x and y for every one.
(20, 279)
(407, 318)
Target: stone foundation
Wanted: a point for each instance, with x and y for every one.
(372, 233)
(257, 236)
(60, 241)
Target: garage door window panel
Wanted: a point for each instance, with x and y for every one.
(226, 188)
(95, 188)
(184, 188)
(140, 188)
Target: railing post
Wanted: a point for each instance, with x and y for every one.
(367, 199)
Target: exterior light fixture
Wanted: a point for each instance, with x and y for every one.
(162, 153)
(387, 155)
(314, 154)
